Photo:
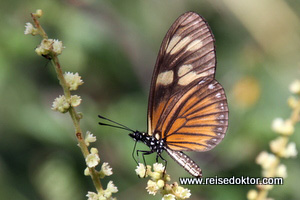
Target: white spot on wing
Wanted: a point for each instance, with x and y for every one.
(184, 69)
(211, 71)
(203, 74)
(172, 43)
(195, 45)
(221, 117)
(165, 78)
(190, 77)
(211, 86)
(201, 82)
(177, 43)
(187, 79)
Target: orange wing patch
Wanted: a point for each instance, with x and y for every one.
(157, 114)
(171, 115)
(202, 119)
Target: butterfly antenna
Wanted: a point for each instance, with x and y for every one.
(120, 126)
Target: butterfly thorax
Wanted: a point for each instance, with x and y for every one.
(154, 144)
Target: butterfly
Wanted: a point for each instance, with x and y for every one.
(187, 107)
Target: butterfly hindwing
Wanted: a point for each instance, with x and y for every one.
(182, 108)
(199, 120)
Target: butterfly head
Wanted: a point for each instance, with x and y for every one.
(137, 135)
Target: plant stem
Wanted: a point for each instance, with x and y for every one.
(295, 117)
(60, 77)
(75, 118)
(39, 27)
(74, 115)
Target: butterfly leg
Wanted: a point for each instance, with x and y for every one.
(133, 153)
(165, 162)
(143, 155)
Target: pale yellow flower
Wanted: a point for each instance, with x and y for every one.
(252, 194)
(106, 169)
(292, 102)
(295, 87)
(281, 126)
(92, 160)
(281, 171)
(152, 187)
(92, 196)
(87, 171)
(45, 47)
(29, 29)
(73, 80)
(111, 187)
(158, 167)
(38, 13)
(182, 193)
(261, 157)
(57, 46)
(89, 138)
(278, 145)
(169, 197)
(266, 160)
(290, 150)
(75, 100)
(141, 170)
(60, 104)
(49, 45)
(160, 183)
(94, 150)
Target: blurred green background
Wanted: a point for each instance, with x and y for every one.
(113, 45)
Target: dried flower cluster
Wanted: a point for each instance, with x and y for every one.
(92, 161)
(158, 182)
(104, 194)
(280, 146)
(61, 103)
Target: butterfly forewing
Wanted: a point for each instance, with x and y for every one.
(187, 107)
(187, 55)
